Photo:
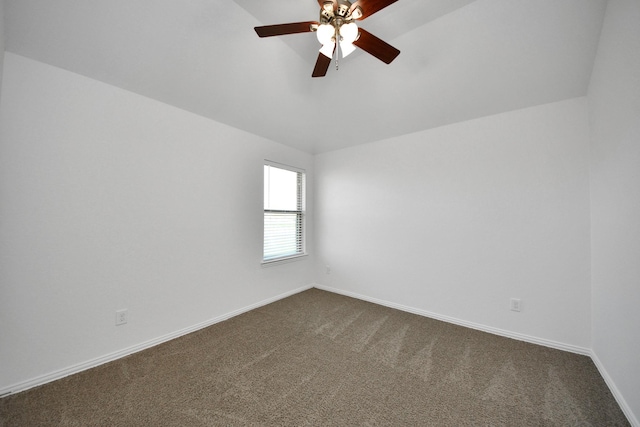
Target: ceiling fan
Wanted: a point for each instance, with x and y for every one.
(337, 30)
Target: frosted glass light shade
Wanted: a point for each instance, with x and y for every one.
(325, 33)
(346, 48)
(349, 32)
(327, 49)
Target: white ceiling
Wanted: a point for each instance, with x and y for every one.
(461, 59)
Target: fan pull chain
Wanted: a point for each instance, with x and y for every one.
(337, 47)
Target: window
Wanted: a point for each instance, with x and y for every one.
(283, 212)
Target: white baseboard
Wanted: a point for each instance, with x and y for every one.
(633, 420)
(43, 379)
(56, 375)
(496, 331)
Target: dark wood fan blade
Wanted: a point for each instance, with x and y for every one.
(369, 7)
(376, 47)
(283, 29)
(322, 66)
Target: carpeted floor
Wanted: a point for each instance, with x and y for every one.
(318, 358)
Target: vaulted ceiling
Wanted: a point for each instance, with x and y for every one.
(461, 59)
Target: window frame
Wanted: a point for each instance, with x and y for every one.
(301, 213)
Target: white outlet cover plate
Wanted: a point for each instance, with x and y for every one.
(122, 316)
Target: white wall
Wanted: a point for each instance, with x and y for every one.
(1, 42)
(614, 100)
(109, 200)
(456, 220)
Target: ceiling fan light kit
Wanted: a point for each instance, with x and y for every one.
(336, 28)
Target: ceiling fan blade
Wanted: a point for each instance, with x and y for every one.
(369, 7)
(283, 29)
(376, 47)
(322, 66)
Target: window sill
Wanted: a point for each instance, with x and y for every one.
(278, 261)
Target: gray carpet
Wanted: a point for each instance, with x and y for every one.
(318, 358)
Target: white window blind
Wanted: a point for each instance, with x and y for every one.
(283, 212)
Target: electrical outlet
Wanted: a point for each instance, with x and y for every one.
(516, 304)
(328, 268)
(122, 316)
